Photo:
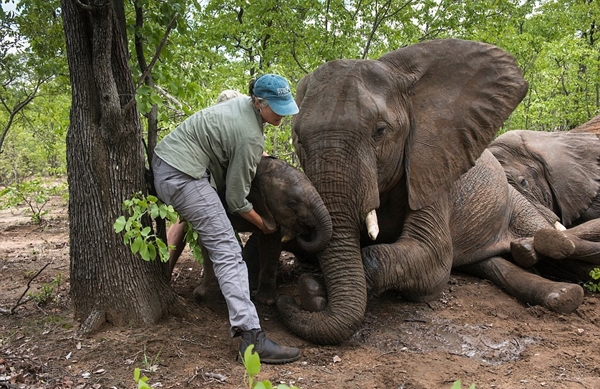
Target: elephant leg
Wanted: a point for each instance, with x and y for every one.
(208, 291)
(312, 292)
(566, 244)
(589, 230)
(529, 288)
(270, 251)
(418, 265)
(251, 255)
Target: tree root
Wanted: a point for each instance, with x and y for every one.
(92, 323)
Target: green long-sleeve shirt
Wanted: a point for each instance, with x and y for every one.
(227, 140)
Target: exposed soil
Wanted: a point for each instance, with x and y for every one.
(473, 332)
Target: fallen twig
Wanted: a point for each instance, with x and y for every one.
(19, 302)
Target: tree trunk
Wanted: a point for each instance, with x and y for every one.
(105, 162)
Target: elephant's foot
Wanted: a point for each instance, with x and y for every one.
(563, 298)
(524, 253)
(313, 293)
(208, 294)
(266, 296)
(553, 243)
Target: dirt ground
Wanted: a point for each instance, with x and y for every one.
(473, 332)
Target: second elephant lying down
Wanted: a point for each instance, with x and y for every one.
(558, 172)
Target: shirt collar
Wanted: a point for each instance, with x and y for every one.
(258, 115)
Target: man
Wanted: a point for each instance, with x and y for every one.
(225, 142)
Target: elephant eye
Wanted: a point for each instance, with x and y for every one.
(523, 182)
(292, 203)
(380, 130)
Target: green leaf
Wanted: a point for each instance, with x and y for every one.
(152, 251)
(251, 361)
(119, 224)
(146, 231)
(144, 251)
(163, 250)
(136, 244)
(163, 213)
(197, 253)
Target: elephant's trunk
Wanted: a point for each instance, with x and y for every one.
(340, 262)
(321, 231)
(346, 293)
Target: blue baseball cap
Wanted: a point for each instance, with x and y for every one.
(276, 90)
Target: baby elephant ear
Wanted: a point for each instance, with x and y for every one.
(461, 92)
(260, 190)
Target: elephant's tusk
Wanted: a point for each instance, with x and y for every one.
(559, 227)
(372, 225)
(287, 237)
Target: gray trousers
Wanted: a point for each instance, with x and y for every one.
(197, 202)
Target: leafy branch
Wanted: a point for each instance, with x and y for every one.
(140, 237)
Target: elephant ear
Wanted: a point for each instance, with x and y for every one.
(592, 126)
(571, 163)
(461, 92)
(300, 92)
(258, 192)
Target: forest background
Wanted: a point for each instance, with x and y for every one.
(208, 46)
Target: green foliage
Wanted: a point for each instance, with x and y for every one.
(140, 380)
(458, 385)
(221, 44)
(594, 285)
(140, 237)
(35, 144)
(48, 291)
(252, 366)
(34, 193)
(150, 364)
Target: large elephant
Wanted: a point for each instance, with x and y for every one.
(285, 197)
(402, 140)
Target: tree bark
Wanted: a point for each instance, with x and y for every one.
(105, 163)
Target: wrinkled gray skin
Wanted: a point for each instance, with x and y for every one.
(406, 135)
(560, 172)
(284, 196)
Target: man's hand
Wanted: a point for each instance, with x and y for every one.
(259, 222)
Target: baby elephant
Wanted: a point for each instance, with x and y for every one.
(285, 197)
